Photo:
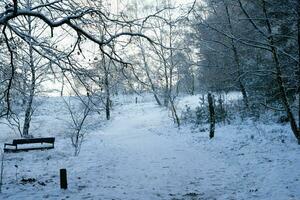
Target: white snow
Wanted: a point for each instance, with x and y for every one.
(194, 100)
(140, 154)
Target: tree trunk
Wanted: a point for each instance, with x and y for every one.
(237, 62)
(148, 75)
(107, 90)
(222, 109)
(212, 117)
(193, 85)
(279, 79)
(298, 27)
(174, 113)
(166, 92)
(28, 111)
(62, 85)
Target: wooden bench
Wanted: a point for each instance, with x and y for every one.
(25, 147)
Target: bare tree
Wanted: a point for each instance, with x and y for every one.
(78, 117)
(62, 15)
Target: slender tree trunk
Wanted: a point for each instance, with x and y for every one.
(178, 85)
(222, 109)
(62, 86)
(24, 84)
(193, 85)
(108, 104)
(174, 113)
(212, 117)
(148, 75)
(171, 56)
(107, 90)
(170, 91)
(166, 76)
(151, 82)
(298, 27)
(279, 79)
(154, 91)
(28, 111)
(237, 61)
(166, 92)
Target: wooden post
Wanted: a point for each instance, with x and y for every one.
(63, 179)
(212, 117)
(1, 171)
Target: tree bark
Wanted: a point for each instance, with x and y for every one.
(148, 75)
(28, 111)
(62, 85)
(107, 90)
(298, 89)
(212, 117)
(237, 62)
(193, 85)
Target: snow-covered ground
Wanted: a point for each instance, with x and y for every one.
(140, 154)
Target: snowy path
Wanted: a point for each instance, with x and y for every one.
(145, 158)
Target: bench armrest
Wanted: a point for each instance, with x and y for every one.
(7, 144)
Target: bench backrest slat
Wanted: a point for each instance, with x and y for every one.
(34, 140)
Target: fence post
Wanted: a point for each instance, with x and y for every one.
(1, 171)
(63, 179)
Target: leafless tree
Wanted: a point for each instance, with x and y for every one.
(78, 116)
(66, 16)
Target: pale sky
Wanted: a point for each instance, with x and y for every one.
(121, 3)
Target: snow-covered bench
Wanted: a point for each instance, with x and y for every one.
(29, 144)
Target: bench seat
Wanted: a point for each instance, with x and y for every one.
(24, 144)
